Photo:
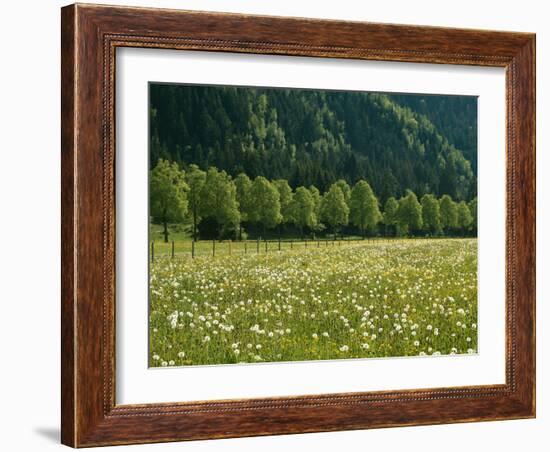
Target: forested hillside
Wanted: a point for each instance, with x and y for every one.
(308, 137)
(455, 117)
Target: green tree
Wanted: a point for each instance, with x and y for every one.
(334, 210)
(364, 211)
(473, 211)
(267, 207)
(243, 185)
(285, 198)
(390, 214)
(195, 179)
(449, 214)
(346, 190)
(464, 217)
(409, 213)
(168, 194)
(316, 195)
(219, 200)
(431, 216)
(303, 209)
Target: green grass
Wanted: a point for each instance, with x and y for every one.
(357, 299)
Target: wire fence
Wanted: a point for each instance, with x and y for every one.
(213, 248)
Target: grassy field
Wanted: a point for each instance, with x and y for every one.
(357, 299)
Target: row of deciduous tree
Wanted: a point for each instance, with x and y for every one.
(176, 194)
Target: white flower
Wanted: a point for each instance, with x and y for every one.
(429, 328)
(156, 357)
(365, 346)
(314, 336)
(181, 355)
(171, 362)
(173, 319)
(344, 348)
(416, 343)
(325, 334)
(206, 338)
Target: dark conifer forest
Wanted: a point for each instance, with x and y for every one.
(396, 142)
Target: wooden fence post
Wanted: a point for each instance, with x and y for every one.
(193, 249)
(291, 243)
(245, 250)
(230, 247)
(279, 243)
(258, 245)
(173, 249)
(265, 240)
(152, 252)
(213, 248)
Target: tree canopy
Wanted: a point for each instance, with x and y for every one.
(267, 207)
(168, 194)
(409, 213)
(303, 209)
(334, 210)
(219, 199)
(364, 212)
(449, 212)
(431, 216)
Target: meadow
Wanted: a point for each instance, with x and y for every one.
(314, 301)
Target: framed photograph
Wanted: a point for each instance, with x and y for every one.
(281, 225)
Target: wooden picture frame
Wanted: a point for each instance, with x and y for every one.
(90, 36)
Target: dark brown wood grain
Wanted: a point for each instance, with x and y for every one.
(90, 36)
(67, 225)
